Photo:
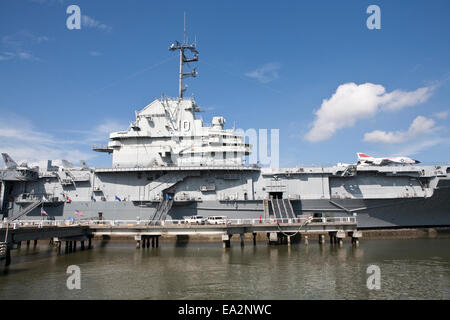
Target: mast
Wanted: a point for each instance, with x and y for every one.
(183, 59)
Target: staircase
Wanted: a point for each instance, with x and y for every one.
(162, 210)
(282, 209)
(288, 207)
(164, 182)
(280, 205)
(275, 209)
(26, 210)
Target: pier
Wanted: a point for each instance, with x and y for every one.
(147, 233)
(14, 234)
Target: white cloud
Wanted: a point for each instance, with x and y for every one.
(24, 142)
(441, 115)
(95, 53)
(265, 73)
(18, 45)
(420, 126)
(399, 99)
(22, 55)
(21, 39)
(385, 137)
(7, 56)
(352, 102)
(99, 134)
(89, 22)
(417, 147)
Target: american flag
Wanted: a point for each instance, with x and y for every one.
(78, 212)
(43, 212)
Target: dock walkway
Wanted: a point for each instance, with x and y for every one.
(14, 232)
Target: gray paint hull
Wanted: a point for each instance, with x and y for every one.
(370, 213)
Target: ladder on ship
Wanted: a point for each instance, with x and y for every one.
(162, 210)
(288, 208)
(282, 208)
(26, 210)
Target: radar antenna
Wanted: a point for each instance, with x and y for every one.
(183, 59)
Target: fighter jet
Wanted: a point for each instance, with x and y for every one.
(15, 172)
(68, 165)
(364, 159)
(11, 164)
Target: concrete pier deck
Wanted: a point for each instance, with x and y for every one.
(143, 231)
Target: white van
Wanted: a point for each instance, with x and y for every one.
(217, 220)
(195, 220)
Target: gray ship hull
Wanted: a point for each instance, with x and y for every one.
(370, 213)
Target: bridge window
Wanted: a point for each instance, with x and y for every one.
(186, 125)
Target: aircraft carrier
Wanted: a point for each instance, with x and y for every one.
(170, 165)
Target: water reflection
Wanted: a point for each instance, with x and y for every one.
(410, 269)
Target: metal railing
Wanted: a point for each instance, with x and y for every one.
(142, 223)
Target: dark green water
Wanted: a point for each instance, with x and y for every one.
(410, 269)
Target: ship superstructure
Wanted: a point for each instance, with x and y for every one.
(169, 165)
(167, 133)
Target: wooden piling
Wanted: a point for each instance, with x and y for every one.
(321, 239)
(8, 256)
(226, 240)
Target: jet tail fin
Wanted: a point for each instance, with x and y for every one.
(66, 164)
(10, 163)
(362, 156)
(84, 164)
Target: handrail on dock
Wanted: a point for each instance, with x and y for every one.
(234, 222)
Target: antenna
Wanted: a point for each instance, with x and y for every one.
(184, 34)
(183, 59)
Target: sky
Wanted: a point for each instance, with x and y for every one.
(312, 69)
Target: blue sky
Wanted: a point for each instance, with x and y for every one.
(309, 68)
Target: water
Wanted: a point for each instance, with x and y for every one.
(410, 269)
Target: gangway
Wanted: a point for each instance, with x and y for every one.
(162, 210)
(288, 208)
(275, 209)
(27, 209)
(282, 209)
